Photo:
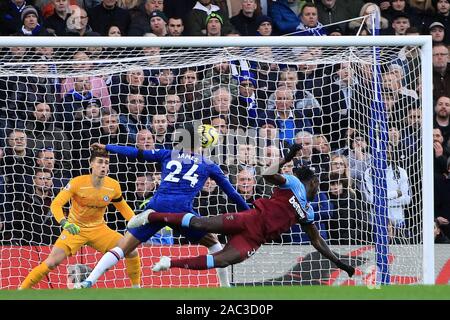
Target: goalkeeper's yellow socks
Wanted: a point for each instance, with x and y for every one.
(35, 276)
(134, 270)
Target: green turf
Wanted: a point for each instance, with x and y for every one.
(247, 293)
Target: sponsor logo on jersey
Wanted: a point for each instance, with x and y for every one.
(297, 207)
(250, 253)
(106, 198)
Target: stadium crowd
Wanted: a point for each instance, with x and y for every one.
(48, 123)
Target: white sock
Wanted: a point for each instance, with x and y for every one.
(222, 273)
(108, 260)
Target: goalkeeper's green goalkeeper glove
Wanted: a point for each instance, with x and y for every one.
(72, 228)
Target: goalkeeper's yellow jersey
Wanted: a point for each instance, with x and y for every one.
(88, 203)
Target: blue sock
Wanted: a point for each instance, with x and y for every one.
(210, 261)
(186, 220)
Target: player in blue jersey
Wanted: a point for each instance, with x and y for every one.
(248, 230)
(183, 174)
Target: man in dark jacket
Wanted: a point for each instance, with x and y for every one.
(109, 14)
(245, 21)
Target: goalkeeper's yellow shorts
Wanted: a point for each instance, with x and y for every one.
(101, 238)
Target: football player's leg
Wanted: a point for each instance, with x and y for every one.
(125, 246)
(212, 243)
(236, 250)
(65, 246)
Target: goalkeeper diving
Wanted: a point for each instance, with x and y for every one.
(90, 196)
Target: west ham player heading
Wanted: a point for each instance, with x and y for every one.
(250, 229)
(183, 174)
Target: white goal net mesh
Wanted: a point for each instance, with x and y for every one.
(56, 102)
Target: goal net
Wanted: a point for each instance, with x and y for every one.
(356, 109)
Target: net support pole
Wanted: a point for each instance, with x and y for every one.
(427, 168)
(378, 137)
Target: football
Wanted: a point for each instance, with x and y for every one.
(208, 135)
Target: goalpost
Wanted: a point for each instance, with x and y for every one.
(372, 149)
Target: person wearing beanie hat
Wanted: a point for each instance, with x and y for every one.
(264, 25)
(31, 26)
(158, 23)
(214, 24)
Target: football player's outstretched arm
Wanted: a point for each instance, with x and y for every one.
(133, 153)
(321, 246)
(272, 175)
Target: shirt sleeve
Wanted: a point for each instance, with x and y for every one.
(60, 200)
(121, 205)
(141, 155)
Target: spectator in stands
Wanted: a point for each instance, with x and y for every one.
(222, 104)
(175, 112)
(145, 186)
(158, 23)
(264, 26)
(246, 158)
(140, 22)
(401, 6)
(107, 14)
(132, 81)
(114, 31)
(246, 186)
(175, 27)
(190, 89)
(42, 132)
(442, 8)
(39, 227)
(73, 103)
(439, 235)
(219, 74)
(399, 72)
(442, 116)
(342, 225)
(10, 17)
(367, 9)
(224, 152)
(31, 26)
(334, 11)
(160, 129)
(440, 159)
(46, 159)
(398, 195)
(321, 152)
(99, 89)
(309, 22)
(135, 118)
(288, 120)
(214, 25)
(56, 23)
(248, 99)
(16, 168)
(285, 20)
(437, 31)
(196, 19)
(441, 71)
(77, 24)
(400, 23)
(245, 21)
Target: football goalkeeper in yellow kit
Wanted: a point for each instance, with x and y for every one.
(90, 195)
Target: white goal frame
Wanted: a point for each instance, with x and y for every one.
(424, 42)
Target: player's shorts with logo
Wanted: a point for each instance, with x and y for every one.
(100, 237)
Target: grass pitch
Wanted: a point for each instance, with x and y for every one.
(410, 292)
